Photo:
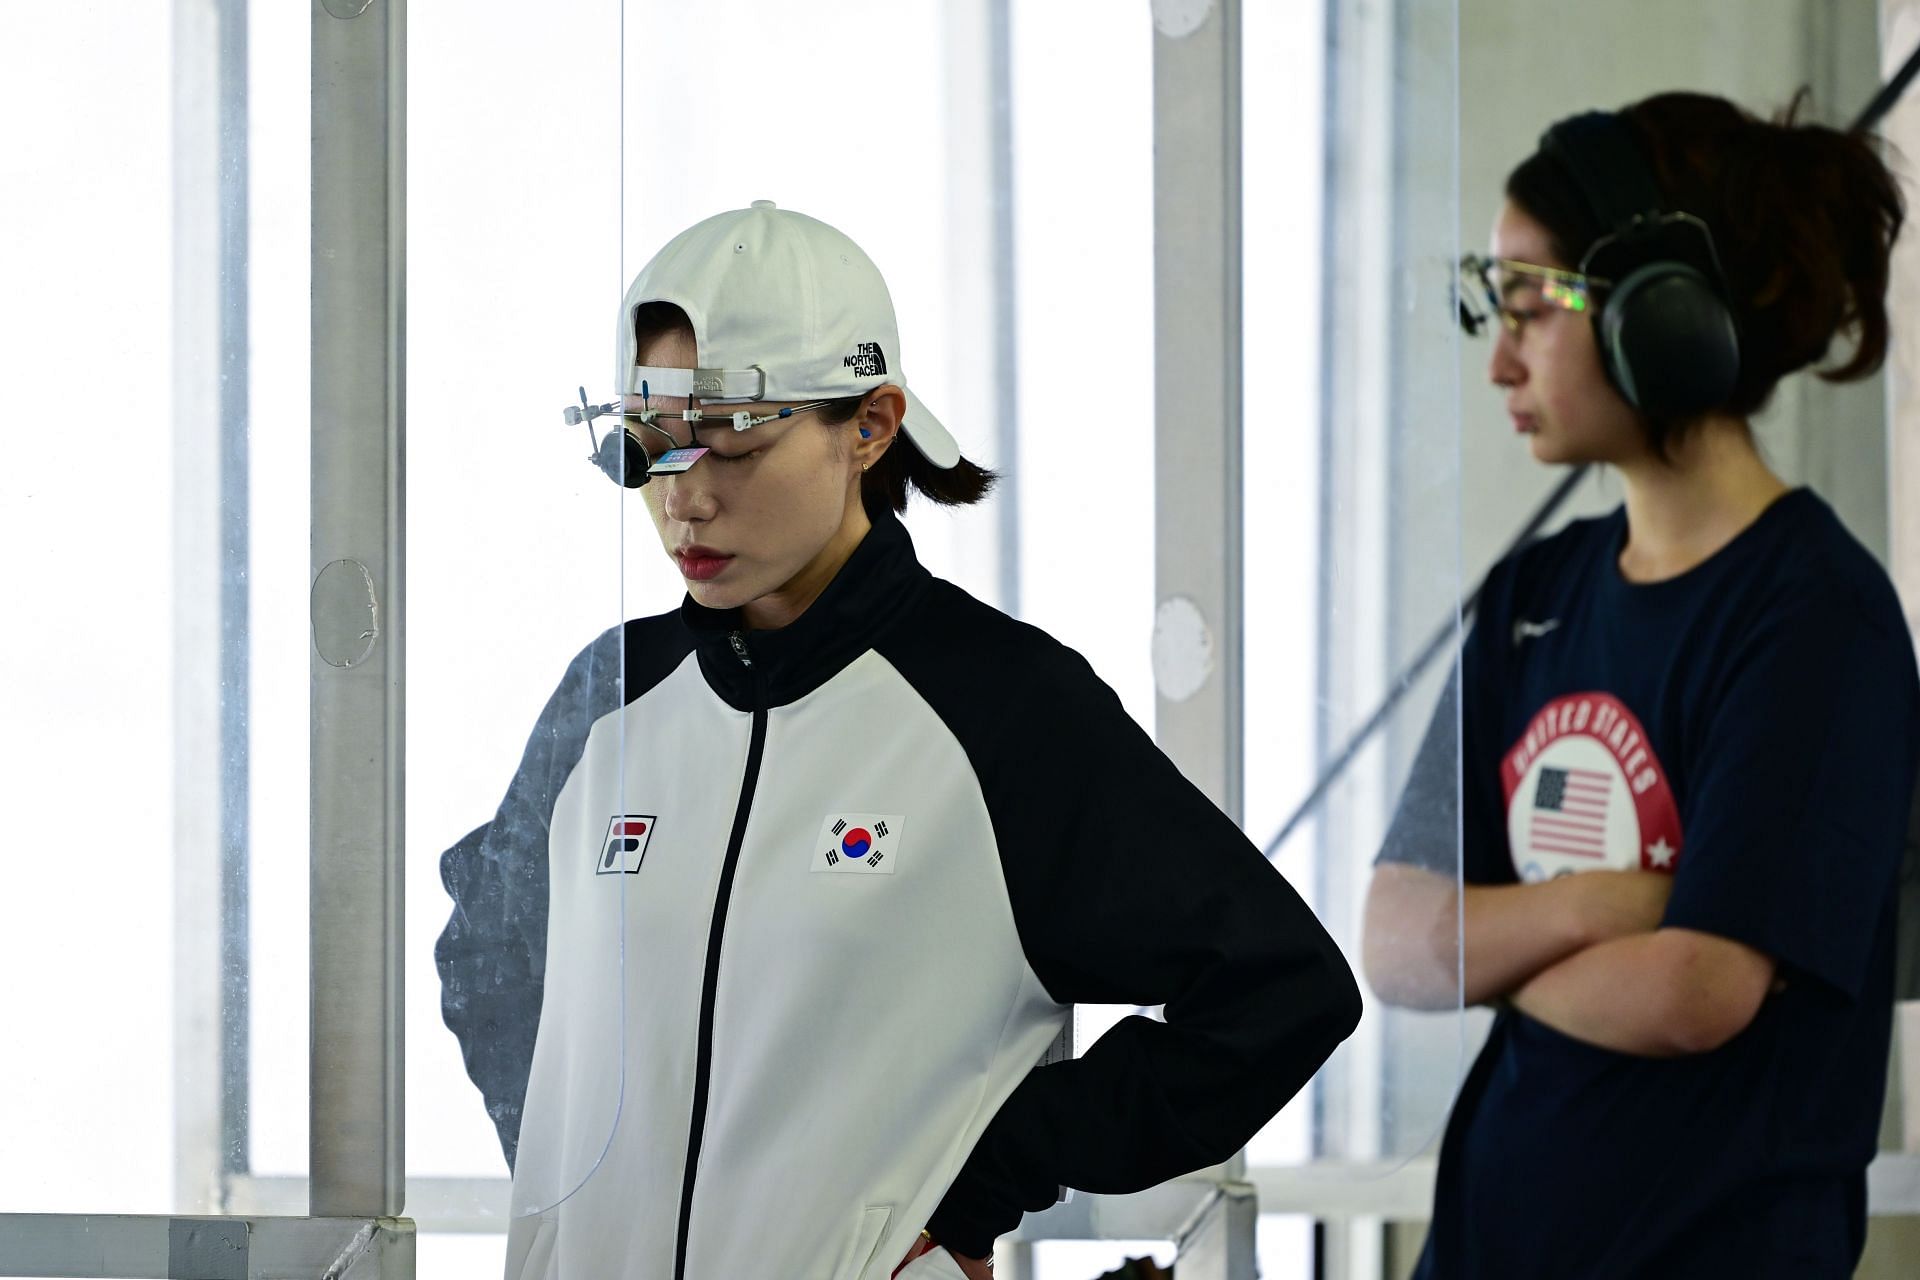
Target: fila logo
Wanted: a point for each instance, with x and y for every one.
(867, 361)
(858, 844)
(626, 843)
(1524, 631)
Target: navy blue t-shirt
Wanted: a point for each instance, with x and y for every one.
(1753, 728)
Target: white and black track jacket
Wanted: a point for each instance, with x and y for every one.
(796, 912)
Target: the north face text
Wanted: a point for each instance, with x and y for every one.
(867, 361)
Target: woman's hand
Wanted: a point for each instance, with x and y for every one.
(975, 1268)
(972, 1268)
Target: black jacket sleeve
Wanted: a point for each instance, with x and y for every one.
(1129, 886)
(492, 954)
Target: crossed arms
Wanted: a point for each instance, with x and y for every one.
(1585, 954)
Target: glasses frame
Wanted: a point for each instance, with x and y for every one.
(1560, 289)
(614, 455)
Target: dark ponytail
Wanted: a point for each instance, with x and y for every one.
(1803, 217)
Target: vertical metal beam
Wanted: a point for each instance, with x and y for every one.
(1365, 191)
(236, 597)
(1197, 392)
(1006, 353)
(211, 631)
(1013, 1260)
(1900, 26)
(1198, 531)
(1221, 1242)
(357, 1165)
(976, 46)
(1900, 35)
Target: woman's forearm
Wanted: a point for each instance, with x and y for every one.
(1660, 994)
(1431, 943)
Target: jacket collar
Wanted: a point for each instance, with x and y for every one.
(752, 670)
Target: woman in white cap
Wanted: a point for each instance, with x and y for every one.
(809, 870)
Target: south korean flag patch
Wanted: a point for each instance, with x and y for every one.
(858, 844)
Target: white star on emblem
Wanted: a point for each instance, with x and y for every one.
(1661, 852)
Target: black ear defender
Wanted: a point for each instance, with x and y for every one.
(1665, 330)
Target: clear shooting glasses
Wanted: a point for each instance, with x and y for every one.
(1484, 288)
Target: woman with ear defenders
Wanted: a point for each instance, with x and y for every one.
(808, 870)
(1687, 731)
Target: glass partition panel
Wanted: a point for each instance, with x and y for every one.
(515, 552)
(518, 544)
(1353, 572)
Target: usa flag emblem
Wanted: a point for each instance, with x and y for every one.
(626, 843)
(1570, 812)
(858, 844)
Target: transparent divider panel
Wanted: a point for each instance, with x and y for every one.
(521, 552)
(1352, 555)
(523, 846)
(801, 125)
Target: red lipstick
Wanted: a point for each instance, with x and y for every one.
(701, 564)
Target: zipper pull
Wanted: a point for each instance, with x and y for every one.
(739, 643)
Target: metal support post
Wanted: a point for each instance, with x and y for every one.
(1198, 530)
(211, 610)
(1197, 394)
(977, 46)
(133, 1247)
(1900, 34)
(357, 1164)
(1013, 1260)
(1220, 1244)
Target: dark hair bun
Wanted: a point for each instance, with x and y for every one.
(1804, 218)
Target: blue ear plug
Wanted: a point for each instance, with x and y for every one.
(865, 434)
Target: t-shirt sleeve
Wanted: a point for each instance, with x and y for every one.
(1425, 830)
(1448, 819)
(1798, 802)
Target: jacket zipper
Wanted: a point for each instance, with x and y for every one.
(703, 1065)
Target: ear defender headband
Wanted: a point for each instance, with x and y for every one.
(1666, 334)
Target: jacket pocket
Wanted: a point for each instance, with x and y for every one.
(857, 1258)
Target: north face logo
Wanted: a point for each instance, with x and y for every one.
(867, 361)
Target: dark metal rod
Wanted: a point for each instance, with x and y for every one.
(1890, 93)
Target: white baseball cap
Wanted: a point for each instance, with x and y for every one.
(784, 307)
